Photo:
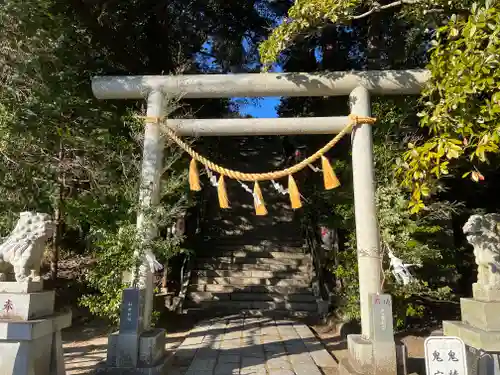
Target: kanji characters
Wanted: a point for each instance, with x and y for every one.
(452, 356)
(8, 306)
(436, 356)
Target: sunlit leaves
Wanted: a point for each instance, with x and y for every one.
(306, 16)
(303, 16)
(461, 103)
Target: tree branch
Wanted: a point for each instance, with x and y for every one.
(377, 8)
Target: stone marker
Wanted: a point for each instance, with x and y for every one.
(375, 354)
(132, 350)
(381, 315)
(382, 335)
(131, 311)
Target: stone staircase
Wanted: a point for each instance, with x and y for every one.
(255, 264)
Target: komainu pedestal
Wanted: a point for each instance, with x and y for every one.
(480, 324)
(30, 330)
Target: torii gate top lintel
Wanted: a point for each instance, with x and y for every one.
(387, 82)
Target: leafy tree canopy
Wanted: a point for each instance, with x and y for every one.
(306, 17)
(461, 104)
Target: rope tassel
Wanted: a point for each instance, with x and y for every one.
(222, 193)
(329, 176)
(194, 176)
(293, 191)
(260, 207)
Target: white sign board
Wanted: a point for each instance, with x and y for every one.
(445, 355)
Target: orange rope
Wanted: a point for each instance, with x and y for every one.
(253, 177)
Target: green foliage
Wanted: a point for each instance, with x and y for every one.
(408, 301)
(115, 251)
(461, 104)
(302, 16)
(306, 17)
(64, 152)
(415, 241)
(421, 240)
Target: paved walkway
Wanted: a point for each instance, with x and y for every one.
(251, 346)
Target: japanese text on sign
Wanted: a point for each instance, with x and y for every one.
(445, 355)
(8, 306)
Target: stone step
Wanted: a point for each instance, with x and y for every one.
(258, 254)
(251, 267)
(221, 261)
(257, 305)
(255, 247)
(254, 274)
(213, 288)
(283, 238)
(203, 312)
(247, 281)
(209, 296)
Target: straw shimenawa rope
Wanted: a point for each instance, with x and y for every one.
(274, 175)
(330, 179)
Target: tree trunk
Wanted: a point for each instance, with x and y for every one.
(58, 215)
(164, 279)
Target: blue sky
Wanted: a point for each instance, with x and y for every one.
(266, 107)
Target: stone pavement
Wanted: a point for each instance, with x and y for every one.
(251, 346)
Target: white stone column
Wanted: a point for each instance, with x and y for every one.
(149, 194)
(367, 231)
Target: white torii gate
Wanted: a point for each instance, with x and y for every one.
(357, 85)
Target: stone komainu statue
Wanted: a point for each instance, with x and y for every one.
(23, 248)
(483, 232)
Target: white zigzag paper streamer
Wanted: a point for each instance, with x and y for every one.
(279, 188)
(247, 189)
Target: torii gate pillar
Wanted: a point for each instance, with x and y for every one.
(374, 351)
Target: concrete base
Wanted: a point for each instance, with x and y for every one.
(27, 286)
(475, 337)
(345, 367)
(480, 330)
(368, 357)
(156, 369)
(26, 306)
(481, 293)
(135, 354)
(33, 347)
(481, 314)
